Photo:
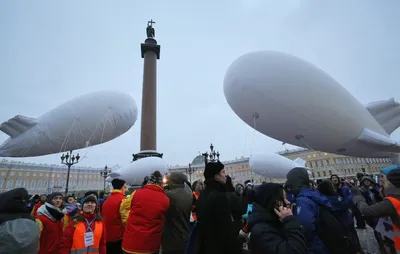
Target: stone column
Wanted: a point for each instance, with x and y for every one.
(148, 137)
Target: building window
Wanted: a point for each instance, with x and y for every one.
(18, 183)
(324, 173)
(39, 184)
(33, 183)
(10, 183)
(1, 183)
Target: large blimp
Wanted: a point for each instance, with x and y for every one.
(135, 173)
(87, 120)
(272, 165)
(293, 101)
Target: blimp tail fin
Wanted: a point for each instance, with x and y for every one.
(387, 113)
(17, 125)
(377, 139)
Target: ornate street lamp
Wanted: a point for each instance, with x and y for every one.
(190, 171)
(104, 173)
(213, 156)
(69, 159)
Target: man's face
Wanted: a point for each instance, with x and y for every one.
(221, 176)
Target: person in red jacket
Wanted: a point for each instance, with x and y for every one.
(86, 233)
(50, 220)
(145, 224)
(38, 205)
(112, 217)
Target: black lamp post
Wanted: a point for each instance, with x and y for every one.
(190, 172)
(213, 156)
(104, 174)
(69, 159)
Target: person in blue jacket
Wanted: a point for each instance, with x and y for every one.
(308, 203)
(341, 205)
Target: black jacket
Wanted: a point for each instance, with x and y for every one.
(215, 221)
(269, 235)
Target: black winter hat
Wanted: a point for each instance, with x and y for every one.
(89, 198)
(117, 184)
(212, 169)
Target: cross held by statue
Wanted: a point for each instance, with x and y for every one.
(150, 23)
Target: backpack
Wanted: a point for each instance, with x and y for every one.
(332, 232)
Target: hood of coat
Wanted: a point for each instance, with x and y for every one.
(176, 180)
(50, 211)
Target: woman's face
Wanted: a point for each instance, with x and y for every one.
(71, 200)
(57, 201)
(89, 207)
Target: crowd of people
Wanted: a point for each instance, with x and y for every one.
(208, 217)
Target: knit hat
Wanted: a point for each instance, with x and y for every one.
(393, 175)
(89, 198)
(50, 197)
(117, 183)
(298, 180)
(265, 192)
(156, 178)
(212, 169)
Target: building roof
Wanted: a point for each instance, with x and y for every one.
(198, 160)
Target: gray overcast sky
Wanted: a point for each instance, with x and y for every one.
(52, 51)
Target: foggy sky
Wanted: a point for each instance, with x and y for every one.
(53, 51)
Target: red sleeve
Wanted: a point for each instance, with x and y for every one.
(102, 249)
(66, 240)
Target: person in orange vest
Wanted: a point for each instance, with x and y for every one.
(86, 233)
(50, 220)
(389, 207)
(145, 224)
(41, 202)
(198, 187)
(112, 217)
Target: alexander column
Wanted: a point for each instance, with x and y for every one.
(148, 133)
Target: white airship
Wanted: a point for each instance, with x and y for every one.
(291, 100)
(87, 120)
(135, 173)
(272, 165)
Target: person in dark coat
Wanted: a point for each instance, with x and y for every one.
(215, 223)
(19, 233)
(273, 227)
(177, 219)
(237, 207)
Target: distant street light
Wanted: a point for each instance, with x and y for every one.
(213, 156)
(70, 160)
(190, 172)
(104, 173)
